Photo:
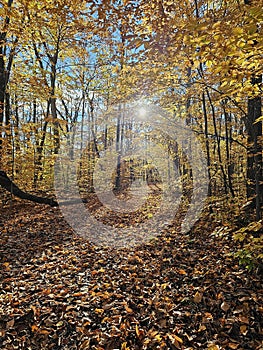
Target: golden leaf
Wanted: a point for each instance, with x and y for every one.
(213, 347)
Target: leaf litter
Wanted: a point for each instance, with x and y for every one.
(178, 291)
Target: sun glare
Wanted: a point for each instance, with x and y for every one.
(142, 112)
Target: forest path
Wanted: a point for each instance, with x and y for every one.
(178, 291)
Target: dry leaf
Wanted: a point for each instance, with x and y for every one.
(225, 306)
(198, 297)
(243, 329)
(213, 347)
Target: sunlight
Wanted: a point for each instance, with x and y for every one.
(142, 112)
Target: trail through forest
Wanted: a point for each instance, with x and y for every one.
(178, 291)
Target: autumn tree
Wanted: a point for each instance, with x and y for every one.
(200, 60)
(12, 30)
(203, 61)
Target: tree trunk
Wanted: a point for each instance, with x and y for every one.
(207, 143)
(2, 87)
(228, 151)
(254, 152)
(8, 184)
(4, 68)
(53, 103)
(118, 150)
(217, 136)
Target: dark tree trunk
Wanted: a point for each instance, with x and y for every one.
(207, 143)
(8, 184)
(228, 149)
(4, 69)
(118, 150)
(217, 136)
(254, 152)
(2, 86)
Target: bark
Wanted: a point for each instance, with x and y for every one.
(53, 102)
(207, 143)
(230, 166)
(5, 69)
(2, 86)
(9, 185)
(254, 153)
(218, 139)
(118, 150)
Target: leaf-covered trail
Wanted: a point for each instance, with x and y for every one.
(175, 292)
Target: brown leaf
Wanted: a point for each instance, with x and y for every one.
(43, 331)
(225, 306)
(243, 319)
(10, 323)
(198, 297)
(243, 329)
(175, 340)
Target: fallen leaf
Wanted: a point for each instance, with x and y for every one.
(34, 328)
(213, 347)
(233, 345)
(225, 306)
(243, 329)
(198, 297)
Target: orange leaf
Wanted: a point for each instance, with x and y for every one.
(139, 332)
(46, 291)
(129, 310)
(6, 265)
(99, 311)
(233, 345)
(44, 331)
(34, 328)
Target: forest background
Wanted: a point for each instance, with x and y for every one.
(64, 65)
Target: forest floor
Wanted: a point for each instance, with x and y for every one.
(178, 291)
